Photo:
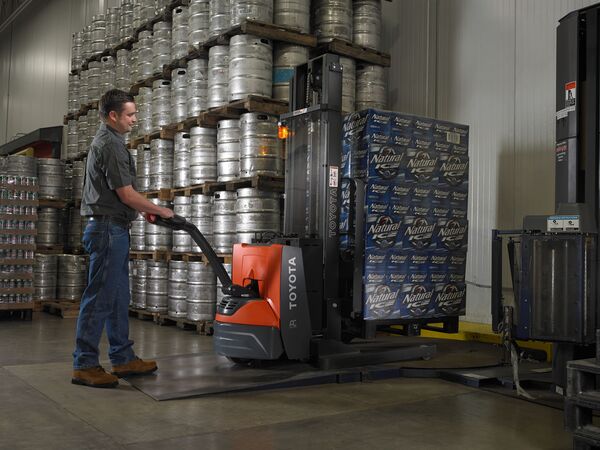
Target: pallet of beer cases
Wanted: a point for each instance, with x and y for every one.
(415, 172)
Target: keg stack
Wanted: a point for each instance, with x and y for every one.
(18, 202)
(130, 48)
(52, 177)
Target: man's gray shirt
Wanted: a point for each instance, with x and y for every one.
(109, 167)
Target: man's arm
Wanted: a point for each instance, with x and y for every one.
(135, 200)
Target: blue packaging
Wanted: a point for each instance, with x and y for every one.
(451, 234)
(418, 233)
(380, 300)
(382, 231)
(454, 171)
(420, 166)
(450, 299)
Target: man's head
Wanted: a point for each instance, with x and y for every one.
(117, 109)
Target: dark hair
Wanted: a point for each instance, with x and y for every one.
(113, 100)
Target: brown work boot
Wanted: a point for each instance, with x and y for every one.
(94, 377)
(135, 367)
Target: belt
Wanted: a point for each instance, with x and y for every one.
(116, 220)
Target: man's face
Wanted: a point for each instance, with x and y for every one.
(123, 121)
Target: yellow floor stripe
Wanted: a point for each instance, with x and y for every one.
(482, 332)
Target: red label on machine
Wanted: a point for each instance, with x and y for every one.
(570, 94)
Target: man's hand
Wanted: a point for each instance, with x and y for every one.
(167, 213)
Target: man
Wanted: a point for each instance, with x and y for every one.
(110, 203)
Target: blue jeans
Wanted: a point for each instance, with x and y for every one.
(106, 297)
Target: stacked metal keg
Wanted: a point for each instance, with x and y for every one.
(113, 23)
(203, 155)
(161, 104)
(126, 22)
(72, 146)
(261, 10)
(260, 148)
(157, 276)
(45, 276)
(177, 289)
(107, 81)
(201, 291)
(178, 95)
(82, 133)
(160, 6)
(367, 23)
(123, 70)
(348, 85)
(157, 237)
(228, 150)
(198, 22)
(219, 17)
(48, 226)
(144, 55)
(138, 234)
(182, 241)
(68, 183)
(161, 163)
(86, 48)
(51, 178)
(161, 46)
(78, 177)
(371, 87)
(143, 103)
(332, 19)
(218, 76)
(143, 167)
(285, 58)
(197, 86)
(179, 32)
(250, 66)
(181, 160)
(138, 283)
(220, 295)
(20, 165)
(77, 50)
(93, 77)
(84, 97)
(73, 94)
(257, 212)
(293, 14)
(72, 276)
(93, 123)
(98, 34)
(147, 11)
(224, 221)
(201, 216)
(75, 231)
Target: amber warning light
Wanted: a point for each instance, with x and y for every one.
(284, 131)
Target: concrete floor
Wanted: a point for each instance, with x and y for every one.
(41, 409)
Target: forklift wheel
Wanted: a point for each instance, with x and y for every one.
(241, 361)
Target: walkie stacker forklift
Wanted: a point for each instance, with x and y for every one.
(295, 297)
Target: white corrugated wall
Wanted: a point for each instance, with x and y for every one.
(35, 58)
(495, 71)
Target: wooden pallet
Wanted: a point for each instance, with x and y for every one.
(50, 203)
(164, 194)
(67, 309)
(202, 327)
(17, 311)
(351, 50)
(262, 182)
(235, 108)
(264, 30)
(163, 255)
(167, 133)
(143, 314)
(147, 82)
(55, 249)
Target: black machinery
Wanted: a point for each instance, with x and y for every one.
(554, 259)
(296, 295)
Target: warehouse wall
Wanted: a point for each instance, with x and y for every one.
(35, 60)
(494, 69)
